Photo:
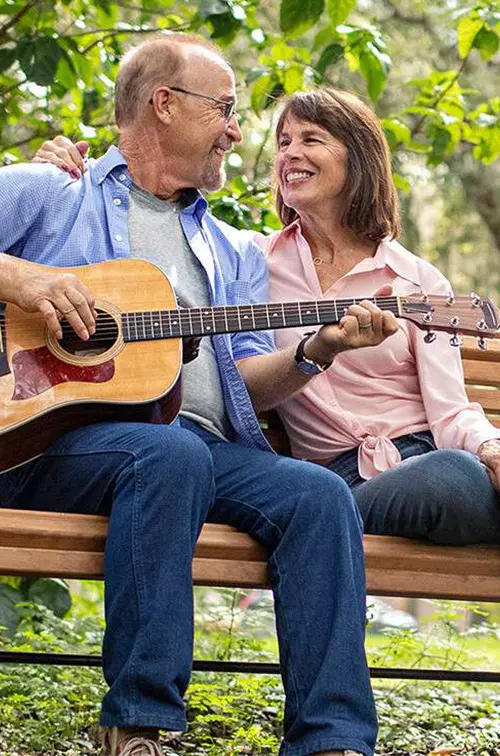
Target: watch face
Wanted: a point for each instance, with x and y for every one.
(308, 368)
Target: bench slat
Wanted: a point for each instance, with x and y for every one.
(481, 373)
(225, 557)
(488, 398)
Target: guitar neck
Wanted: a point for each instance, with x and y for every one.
(207, 321)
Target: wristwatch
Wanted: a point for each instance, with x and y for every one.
(306, 365)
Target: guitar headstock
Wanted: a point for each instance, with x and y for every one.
(472, 316)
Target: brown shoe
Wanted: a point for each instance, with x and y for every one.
(129, 742)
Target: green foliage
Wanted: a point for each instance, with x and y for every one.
(52, 711)
(51, 593)
(58, 62)
(297, 16)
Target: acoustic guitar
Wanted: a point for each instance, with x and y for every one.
(130, 368)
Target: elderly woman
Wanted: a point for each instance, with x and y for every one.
(394, 420)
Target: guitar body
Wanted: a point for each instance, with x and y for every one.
(46, 391)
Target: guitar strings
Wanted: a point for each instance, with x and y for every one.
(107, 326)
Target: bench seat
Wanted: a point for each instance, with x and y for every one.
(72, 546)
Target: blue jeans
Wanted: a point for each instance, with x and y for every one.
(159, 483)
(444, 495)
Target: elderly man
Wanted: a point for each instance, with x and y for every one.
(175, 100)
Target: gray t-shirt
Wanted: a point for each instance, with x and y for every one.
(156, 235)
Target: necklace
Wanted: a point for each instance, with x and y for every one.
(319, 261)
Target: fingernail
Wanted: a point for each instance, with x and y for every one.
(85, 335)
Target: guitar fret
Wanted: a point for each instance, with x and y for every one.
(184, 321)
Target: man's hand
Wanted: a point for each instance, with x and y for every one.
(62, 152)
(57, 296)
(363, 325)
(489, 455)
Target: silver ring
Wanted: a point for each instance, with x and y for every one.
(366, 325)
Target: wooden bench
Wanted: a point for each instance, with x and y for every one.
(72, 546)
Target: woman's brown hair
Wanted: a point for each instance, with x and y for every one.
(371, 198)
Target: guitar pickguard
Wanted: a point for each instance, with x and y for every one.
(37, 370)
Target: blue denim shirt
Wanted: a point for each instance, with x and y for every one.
(48, 218)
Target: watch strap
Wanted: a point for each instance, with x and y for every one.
(300, 356)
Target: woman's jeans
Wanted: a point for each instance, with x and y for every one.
(444, 495)
(159, 484)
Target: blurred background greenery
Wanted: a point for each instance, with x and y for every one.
(430, 69)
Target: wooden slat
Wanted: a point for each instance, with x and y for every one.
(481, 373)
(488, 398)
(225, 557)
(471, 351)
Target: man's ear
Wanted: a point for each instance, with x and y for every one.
(162, 104)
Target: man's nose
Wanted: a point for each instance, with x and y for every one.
(233, 129)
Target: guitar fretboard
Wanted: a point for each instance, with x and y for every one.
(205, 321)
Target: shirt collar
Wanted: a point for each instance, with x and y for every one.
(390, 253)
(196, 204)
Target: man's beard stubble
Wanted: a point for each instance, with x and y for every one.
(213, 176)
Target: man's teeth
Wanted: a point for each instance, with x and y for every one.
(298, 175)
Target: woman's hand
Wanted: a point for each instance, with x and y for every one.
(489, 455)
(363, 325)
(62, 152)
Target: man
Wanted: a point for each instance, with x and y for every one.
(175, 101)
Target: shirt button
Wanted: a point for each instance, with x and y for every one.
(122, 177)
(118, 237)
(117, 201)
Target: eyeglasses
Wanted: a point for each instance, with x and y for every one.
(229, 105)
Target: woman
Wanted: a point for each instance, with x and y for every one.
(394, 420)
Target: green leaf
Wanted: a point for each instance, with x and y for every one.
(208, 8)
(339, 10)
(9, 613)
(325, 36)
(396, 131)
(487, 42)
(39, 58)
(488, 150)
(401, 183)
(329, 57)
(52, 593)
(374, 67)
(46, 59)
(467, 30)
(7, 57)
(440, 142)
(293, 79)
(25, 52)
(297, 16)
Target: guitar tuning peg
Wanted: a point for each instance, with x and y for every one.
(456, 341)
(481, 342)
(429, 337)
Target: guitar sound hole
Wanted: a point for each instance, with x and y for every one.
(105, 336)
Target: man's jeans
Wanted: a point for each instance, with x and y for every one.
(444, 495)
(159, 483)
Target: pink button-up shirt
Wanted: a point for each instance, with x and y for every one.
(372, 395)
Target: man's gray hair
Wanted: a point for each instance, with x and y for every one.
(154, 63)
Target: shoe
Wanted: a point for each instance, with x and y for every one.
(118, 742)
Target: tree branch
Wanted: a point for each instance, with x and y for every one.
(120, 32)
(438, 99)
(13, 21)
